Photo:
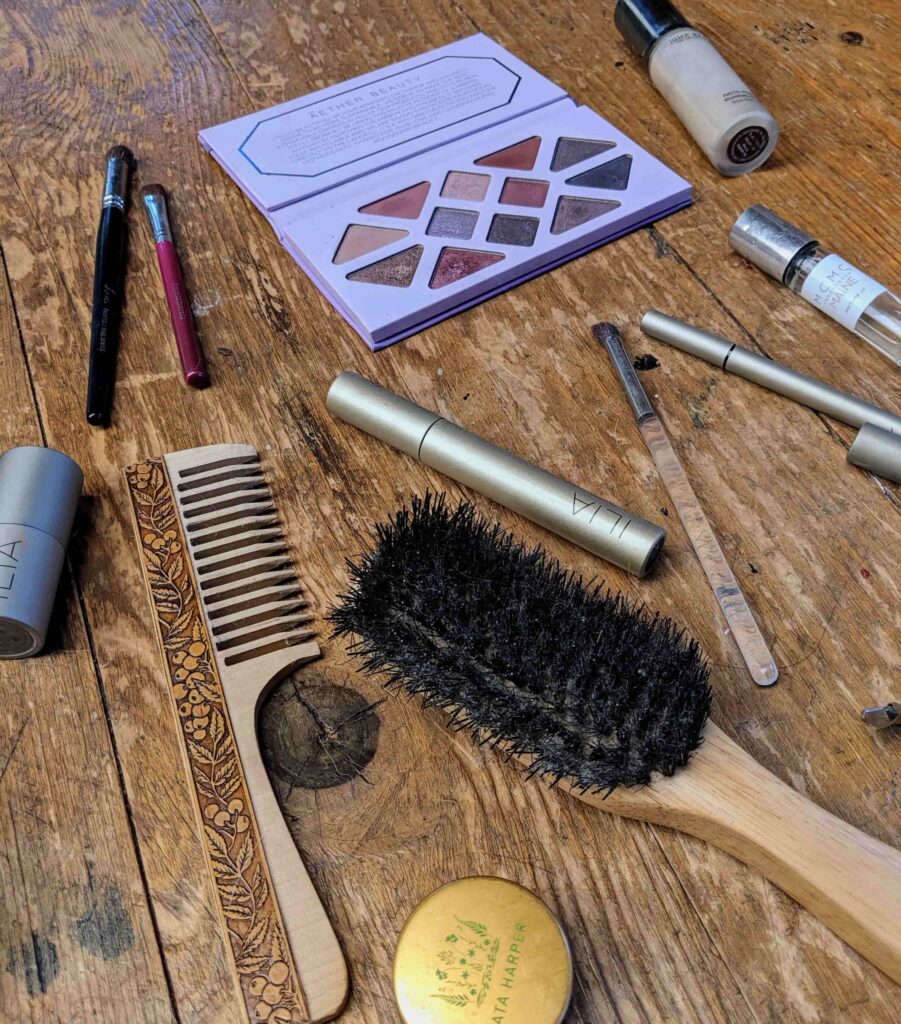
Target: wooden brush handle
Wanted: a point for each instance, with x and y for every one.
(847, 879)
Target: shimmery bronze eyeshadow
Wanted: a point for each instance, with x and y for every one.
(574, 210)
(454, 264)
(507, 229)
(520, 157)
(448, 222)
(613, 175)
(362, 238)
(524, 192)
(463, 185)
(407, 204)
(397, 270)
(569, 152)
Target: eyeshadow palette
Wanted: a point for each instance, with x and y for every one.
(415, 192)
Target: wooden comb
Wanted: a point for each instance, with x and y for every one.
(232, 621)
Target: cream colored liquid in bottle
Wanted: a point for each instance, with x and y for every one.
(735, 131)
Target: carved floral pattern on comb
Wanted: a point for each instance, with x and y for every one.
(267, 977)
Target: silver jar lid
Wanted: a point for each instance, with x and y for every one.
(767, 240)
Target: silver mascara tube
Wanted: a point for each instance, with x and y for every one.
(767, 372)
(604, 529)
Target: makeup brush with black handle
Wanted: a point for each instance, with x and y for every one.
(109, 278)
(602, 699)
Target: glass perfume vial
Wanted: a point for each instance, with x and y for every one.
(733, 128)
(824, 278)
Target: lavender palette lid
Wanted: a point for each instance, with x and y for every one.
(313, 143)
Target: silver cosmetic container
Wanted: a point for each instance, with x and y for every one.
(600, 527)
(877, 451)
(39, 490)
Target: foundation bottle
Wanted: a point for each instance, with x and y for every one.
(735, 131)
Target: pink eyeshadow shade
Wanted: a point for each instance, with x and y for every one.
(454, 264)
(520, 157)
(524, 192)
(462, 185)
(407, 204)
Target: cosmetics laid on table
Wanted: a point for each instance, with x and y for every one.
(725, 587)
(414, 192)
(825, 279)
(600, 527)
(735, 131)
(109, 281)
(232, 620)
(190, 353)
(39, 492)
(601, 700)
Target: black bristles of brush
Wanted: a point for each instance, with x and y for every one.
(524, 655)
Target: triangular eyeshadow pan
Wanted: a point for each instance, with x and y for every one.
(575, 210)
(614, 175)
(573, 151)
(396, 271)
(407, 204)
(520, 157)
(454, 264)
(360, 239)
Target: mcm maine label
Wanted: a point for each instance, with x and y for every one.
(478, 970)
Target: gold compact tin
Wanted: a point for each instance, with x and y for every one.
(482, 951)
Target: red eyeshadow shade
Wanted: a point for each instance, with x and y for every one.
(454, 264)
(407, 204)
(524, 192)
(520, 157)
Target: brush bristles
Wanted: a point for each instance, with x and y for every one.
(154, 190)
(523, 654)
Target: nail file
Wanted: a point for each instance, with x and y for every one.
(232, 620)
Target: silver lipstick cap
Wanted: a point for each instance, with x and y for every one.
(767, 240)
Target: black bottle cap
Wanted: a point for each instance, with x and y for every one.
(642, 22)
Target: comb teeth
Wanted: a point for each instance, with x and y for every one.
(253, 599)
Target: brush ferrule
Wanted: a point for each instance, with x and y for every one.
(611, 339)
(158, 217)
(115, 186)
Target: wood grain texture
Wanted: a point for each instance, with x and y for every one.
(664, 928)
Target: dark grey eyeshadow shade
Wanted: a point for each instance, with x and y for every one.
(613, 175)
(447, 222)
(507, 229)
(573, 151)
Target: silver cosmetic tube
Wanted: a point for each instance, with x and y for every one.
(598, 526)
(877, 451)
(767, 372)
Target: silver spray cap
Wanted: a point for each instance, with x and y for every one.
(39, 488)
(768, 241)
(39, 491)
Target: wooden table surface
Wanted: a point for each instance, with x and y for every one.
(107, 911)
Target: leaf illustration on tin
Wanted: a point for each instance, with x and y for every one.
(475, 926)
(452, 1000)
(198, 753)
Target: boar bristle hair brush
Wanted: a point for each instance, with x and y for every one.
(600, 698)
